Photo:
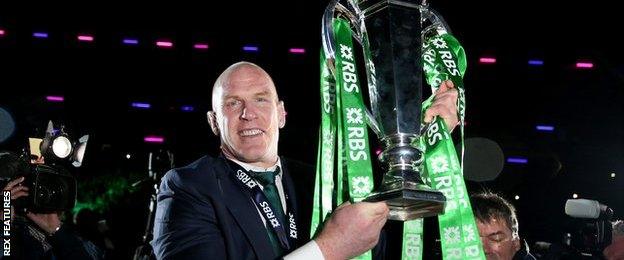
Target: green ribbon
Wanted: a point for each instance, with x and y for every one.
(343, 128)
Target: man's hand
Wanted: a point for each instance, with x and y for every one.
(352, 229)
(444, 105)
(615, 251)
(17, 191)
(49, 222)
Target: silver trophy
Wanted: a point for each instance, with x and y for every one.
(393, 31)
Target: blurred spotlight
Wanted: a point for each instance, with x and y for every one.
(518, 160)
(517, 197)
(40, 35)
(187, 108)
(7, 125)
(85, 38)
(200, 46)
(141, 105)
(249, 48)
(613, 175)
(164, 44)
(536, 62)
(584, 65)
(130, 41)
(128, 156)
(545, 128)
(55, 98)
(154, 139)
(487, 60)
(574, 195)
(297, 50)
(483, 159)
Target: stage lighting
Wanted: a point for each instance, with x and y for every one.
(58, 146)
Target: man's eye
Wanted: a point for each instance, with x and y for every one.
(497, 238)
(261, 99)
(232, 103)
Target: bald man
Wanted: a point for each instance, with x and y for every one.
(242, 204)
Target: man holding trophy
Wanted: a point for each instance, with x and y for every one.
(242, 204)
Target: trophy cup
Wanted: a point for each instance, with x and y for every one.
(394, 32)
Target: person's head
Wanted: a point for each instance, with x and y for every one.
(497, 224)
(247, 114)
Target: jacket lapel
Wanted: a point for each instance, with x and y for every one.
(240, 205)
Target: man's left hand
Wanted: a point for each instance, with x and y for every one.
(444, 105)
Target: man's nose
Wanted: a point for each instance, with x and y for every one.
(249, 113)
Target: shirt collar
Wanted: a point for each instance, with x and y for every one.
(249, 167)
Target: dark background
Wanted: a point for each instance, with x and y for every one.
(505, 101)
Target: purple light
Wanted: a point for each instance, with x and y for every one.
(40, 35)
(154, 139)
(55, 98)
(584, 65)
(297, 50)
(187, 108)
(536, 62)
(249, 48)
(2, 32)
(201, 46)
(517, 160)
(164, 44)
(85, 38)
(487, 60)
(130, 41)
(141, 105)
(545, 128)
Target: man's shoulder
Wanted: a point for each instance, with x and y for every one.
(200, 171)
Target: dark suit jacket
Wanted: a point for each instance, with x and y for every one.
(203, 214)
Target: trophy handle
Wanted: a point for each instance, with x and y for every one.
(356, 18)
(435, 25)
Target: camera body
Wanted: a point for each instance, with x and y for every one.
(51, 187)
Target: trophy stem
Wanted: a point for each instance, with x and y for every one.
(402, 188)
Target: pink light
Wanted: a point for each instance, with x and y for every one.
(154, 139)
(202, 46)
(1, 32)
(297, 50)
(85, 38)
(55, 98)
(487, 60)
(164, 44)
(584, 65)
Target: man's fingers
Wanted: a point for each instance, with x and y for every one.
(12, 183)
(19, 194)
(19, 188)
(433, 111)
(375, 209)
(346, 203)
(445, 86)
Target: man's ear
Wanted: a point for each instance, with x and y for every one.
(282, 114)
(212, 120)
(516, 244)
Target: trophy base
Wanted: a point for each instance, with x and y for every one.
(408, 204)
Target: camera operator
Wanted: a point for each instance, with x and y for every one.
(38, 235)
(498, 227)
(615, 251)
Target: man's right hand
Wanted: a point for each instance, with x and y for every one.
(17, 191)
(352, 229)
